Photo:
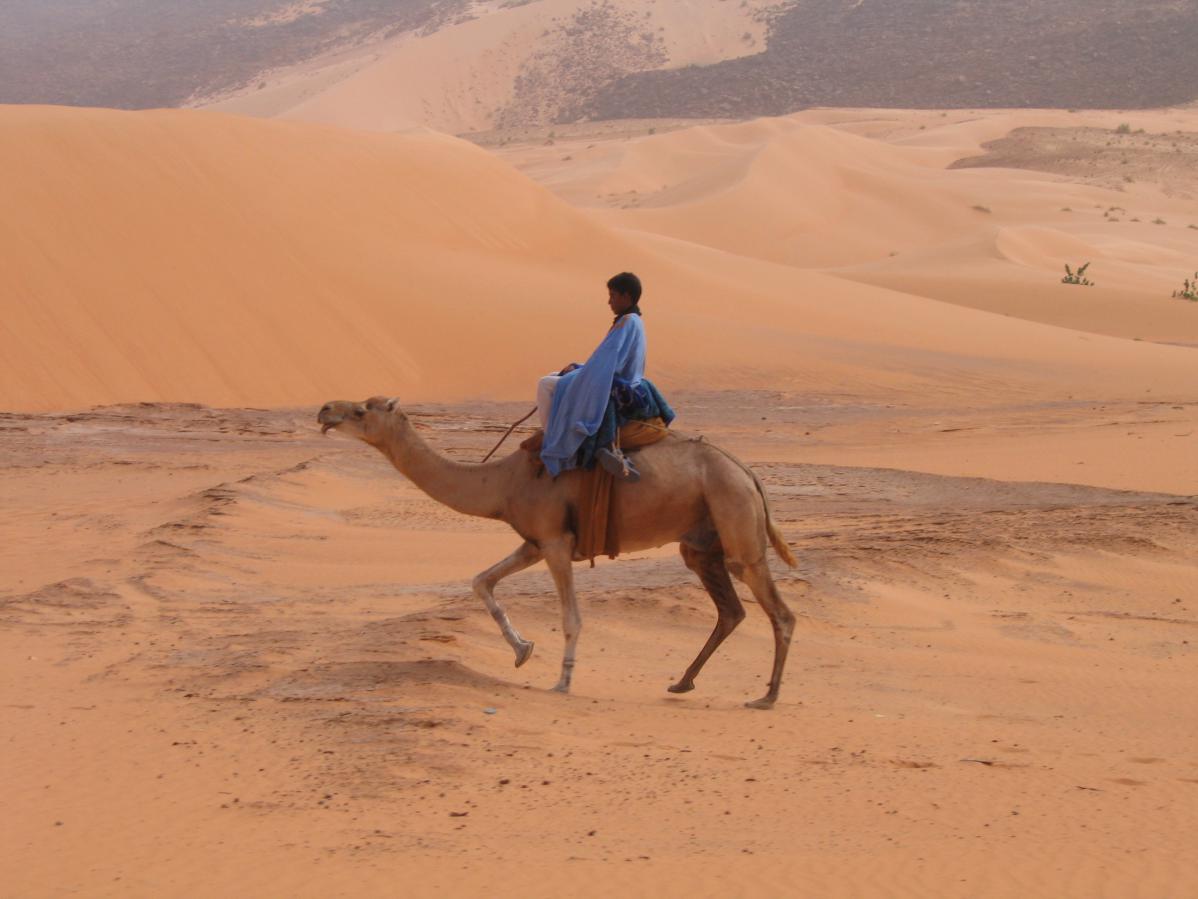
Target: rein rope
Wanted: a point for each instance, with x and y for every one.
(509, 434)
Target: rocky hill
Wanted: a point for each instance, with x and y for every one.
(557, 61)
(937, 54)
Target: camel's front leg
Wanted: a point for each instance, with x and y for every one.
(484, 585)
(559, 556)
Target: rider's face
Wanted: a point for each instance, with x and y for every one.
(619, 302)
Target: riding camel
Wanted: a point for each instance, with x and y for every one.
(690, 492)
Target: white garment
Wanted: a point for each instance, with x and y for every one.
(545, 389)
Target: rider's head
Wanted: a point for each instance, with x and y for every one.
(623, 292)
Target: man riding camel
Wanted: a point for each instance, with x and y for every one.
(583, 406)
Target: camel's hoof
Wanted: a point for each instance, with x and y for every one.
(562, 688)
(764, 703)
(680, 688)
(524, 653)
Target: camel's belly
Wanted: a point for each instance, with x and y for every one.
(664, 505)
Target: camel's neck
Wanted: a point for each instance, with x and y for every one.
(469, 489)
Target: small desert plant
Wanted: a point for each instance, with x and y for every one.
(1189, 290)
(1123, 129)
(1079, 276)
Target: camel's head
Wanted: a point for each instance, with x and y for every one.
(365, 420)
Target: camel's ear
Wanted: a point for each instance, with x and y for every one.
(383, 404)
(380, 404)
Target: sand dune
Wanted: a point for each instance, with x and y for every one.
(202, 257)
(867, 195)
(802, 195)
(187, 253)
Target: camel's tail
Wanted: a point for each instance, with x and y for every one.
(776, 538)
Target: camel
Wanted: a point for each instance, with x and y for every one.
(691, 492)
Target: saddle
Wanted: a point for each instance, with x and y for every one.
(596, 531)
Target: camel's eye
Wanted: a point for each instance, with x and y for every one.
(358, 413)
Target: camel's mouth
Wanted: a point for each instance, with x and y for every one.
(333, 415)
(328, 419)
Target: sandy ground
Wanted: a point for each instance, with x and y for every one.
(242, 658)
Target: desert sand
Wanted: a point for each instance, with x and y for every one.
(242, 658)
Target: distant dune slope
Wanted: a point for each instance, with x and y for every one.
(193, 254)
(185, 255)
(135, 54)
(506, 64)
(870, 195)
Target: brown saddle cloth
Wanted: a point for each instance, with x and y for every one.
(598, 533)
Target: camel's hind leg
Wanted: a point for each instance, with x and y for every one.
(559, 556)
(757, 576)
(484, 585)
(709, 566)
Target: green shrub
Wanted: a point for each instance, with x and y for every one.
(1189, 290)
(1079, 277)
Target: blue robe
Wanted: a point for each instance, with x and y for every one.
(581, 399)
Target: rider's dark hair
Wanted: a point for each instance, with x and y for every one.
(628, 284)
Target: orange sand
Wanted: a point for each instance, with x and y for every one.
(242, 659)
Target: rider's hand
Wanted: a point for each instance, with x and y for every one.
(573, 366)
